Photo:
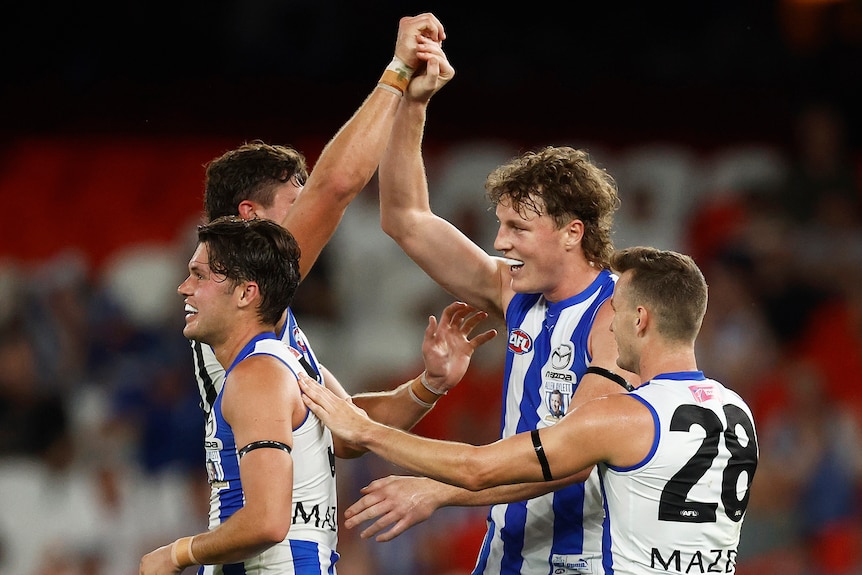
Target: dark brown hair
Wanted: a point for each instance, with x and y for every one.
(255, 250)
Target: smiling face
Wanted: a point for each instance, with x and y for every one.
(207, 298)
(535, 241)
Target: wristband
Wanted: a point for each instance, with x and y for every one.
(389, 88)
(181, 553)
(427, 386)
(418, 399)
(396, 76)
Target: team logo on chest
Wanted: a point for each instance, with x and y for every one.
(520, 342)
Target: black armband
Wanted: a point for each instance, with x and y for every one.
(615, 377)
(261, 444)
(540, 453)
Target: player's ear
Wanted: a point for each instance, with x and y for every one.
(246, 210)
(248, 293)
(642, 319)
(575, 230)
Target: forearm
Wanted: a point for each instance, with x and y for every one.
(343, 169)
(396, 408)
(233, 541)
(455, 496)
(467, 466)
(403, 183)
(350, 158)
(443, 252)
(399, 407)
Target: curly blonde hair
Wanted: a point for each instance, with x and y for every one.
(563, 183)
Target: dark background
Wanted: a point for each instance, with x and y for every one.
(705, 73)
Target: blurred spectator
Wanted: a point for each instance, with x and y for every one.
(822, 184)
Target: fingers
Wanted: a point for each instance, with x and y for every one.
(483, 338)
(428, 26)
(454, 313)
(432, 327)
(396, 530)
(473, 320)
(314, 395)
(369, 511)
(462, 316)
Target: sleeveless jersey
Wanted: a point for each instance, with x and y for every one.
(686, 500)
(558, 533)
(309, 548)
(210, 374)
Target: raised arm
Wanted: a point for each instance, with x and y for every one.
(447, 255)
(350, 158)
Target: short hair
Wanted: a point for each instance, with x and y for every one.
(565, 184)
(670, 284)
(249, 172)
(255, 250)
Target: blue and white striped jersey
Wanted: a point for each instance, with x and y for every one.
(560, 533)
(310, 546)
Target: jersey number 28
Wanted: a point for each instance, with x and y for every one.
(673, 505)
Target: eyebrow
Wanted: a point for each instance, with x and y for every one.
(195, 265)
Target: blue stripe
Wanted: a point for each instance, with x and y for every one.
(233, 569)
(482, 561)
(306, 557)
(568, 520)
(513, 538)
(607, 542)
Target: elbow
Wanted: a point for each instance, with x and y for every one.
(344, 450)
(344, 187)
(478, 472)
(273, 532)
(271, 527)
(391, 224)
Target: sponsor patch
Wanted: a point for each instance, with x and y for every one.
(702, 393)
(571, 565)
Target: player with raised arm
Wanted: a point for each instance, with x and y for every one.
(555, 210)
(268, 181)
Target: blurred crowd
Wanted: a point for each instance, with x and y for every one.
(101, 455)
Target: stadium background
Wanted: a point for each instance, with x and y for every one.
(109, 113)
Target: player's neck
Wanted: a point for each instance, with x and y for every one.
(237, 338)
(576, 280)
(669, 359)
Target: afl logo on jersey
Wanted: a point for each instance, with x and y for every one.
(299, 340)
(520, 342)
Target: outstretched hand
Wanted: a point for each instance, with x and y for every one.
(396, 503)
(448, 347)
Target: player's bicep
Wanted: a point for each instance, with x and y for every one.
(261, 401)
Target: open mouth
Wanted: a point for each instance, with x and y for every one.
(514, 264)
(190, 311)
